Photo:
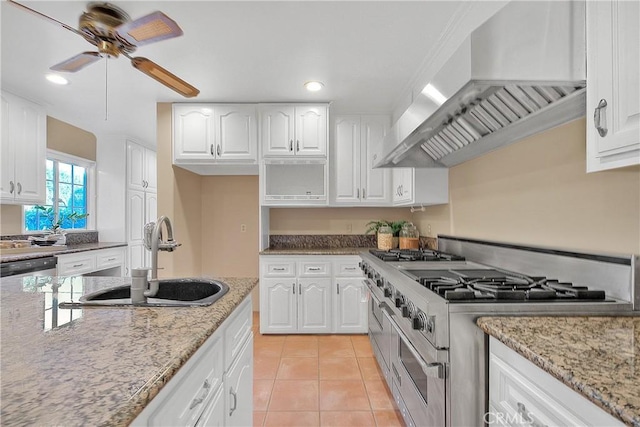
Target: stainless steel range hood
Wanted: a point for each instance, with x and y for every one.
(519, 73)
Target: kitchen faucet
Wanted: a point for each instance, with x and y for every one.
(153, 241)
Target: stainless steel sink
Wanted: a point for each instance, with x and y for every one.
(171, 293)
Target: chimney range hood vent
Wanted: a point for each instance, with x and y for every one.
(521, 72)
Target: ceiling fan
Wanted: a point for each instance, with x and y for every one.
(112, 31)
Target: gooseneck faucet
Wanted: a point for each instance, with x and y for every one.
(153, 241)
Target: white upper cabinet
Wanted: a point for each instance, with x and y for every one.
(235, 132)
(23, 152)
(412, 187)
(216, 139)
(294, 130)
(613, 84)
(356, 145)
(141, 168)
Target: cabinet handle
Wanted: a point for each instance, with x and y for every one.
(211, 149)
(357, 193)
(350, 268)
(111, 259)
(218, 149)
(599, 121)
(19, 188)
(314, 268)
(297, 145)
(299, 288)
(77, 265)
(291, 145)
(364, 195)
(293, 287)
(198, 400)
(235, 401)
(528, 416)
(12, 187)
(338, 288)
(278, 268)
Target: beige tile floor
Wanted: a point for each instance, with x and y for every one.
(318, 380)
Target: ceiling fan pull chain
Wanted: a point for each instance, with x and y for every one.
(106, 87)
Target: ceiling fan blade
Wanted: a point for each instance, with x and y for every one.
(149, 29)
(89, 37)
(77, 62)
(168, 79)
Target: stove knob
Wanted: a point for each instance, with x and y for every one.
(379, 282)
(430, 326)
(407, 310)
(370, 274)
(399, 300)
(419, 321)
(387, 292)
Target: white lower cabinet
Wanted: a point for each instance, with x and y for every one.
(304, 294)
(520, 393)
(211, 389)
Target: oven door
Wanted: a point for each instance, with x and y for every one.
(418, 385)
(380, 334)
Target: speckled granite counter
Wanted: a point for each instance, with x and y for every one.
(598, 357)
(105, 364)
(314, 251)
(51, 251)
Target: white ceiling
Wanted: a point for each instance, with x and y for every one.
(367, 53)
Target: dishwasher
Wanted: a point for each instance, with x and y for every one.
(31, 267)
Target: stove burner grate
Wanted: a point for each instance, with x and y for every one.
(414, 255)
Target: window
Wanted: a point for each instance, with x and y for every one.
(68, 184)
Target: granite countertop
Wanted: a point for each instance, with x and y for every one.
(7, 256)
(93, 366)
(314, 251)
(599, 357)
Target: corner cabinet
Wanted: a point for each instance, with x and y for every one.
(520, 393)
(293, 130)
(23, 151)
(356, 145)
(215, 386)
(613, 84)
(302, 294)
(215, 139)
(432, 187)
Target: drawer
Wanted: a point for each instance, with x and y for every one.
(199, 380)
(77, 264)
(279, 269)
(314, 269)
(347, 268)
(522, 393)
(237, 329)
(108, 258)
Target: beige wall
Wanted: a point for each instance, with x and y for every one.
(330, 220)
(537, 192)
(69, 139)
(61, 137)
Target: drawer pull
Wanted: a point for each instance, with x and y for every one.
(112, 259)
(77, 265)
(199, 400)
(278, 268)
(528, 416)
(350, 268)
(314, 268)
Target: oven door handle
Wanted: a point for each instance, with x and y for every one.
(433, 370)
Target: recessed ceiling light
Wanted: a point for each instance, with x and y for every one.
(313, 86)
(57, 79)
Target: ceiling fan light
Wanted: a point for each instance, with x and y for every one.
(57, 79)
(313, 86)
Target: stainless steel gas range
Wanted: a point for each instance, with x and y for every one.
(423, 306)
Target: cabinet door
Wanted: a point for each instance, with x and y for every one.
(193, 137)
(150, 170)
(236, 132)
(402, 185)
(375, 183)
(314, 305)
(238, 384)
(150, 207)
(135, 166)
(346, 160)
(278, 309)
(136, 258)
(351, 305)
(135, 216)
(277, 125)
(311, 131)
(613, 76)
(30, 145)
(7, 180)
